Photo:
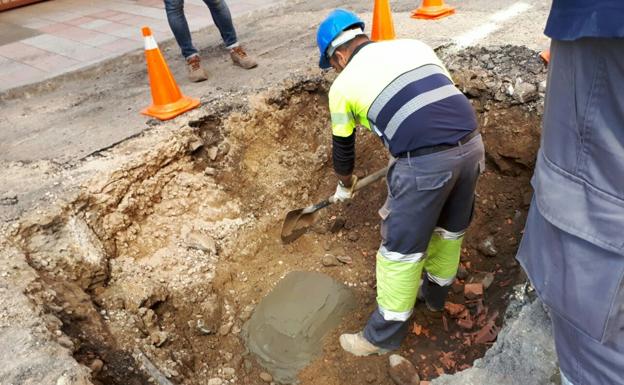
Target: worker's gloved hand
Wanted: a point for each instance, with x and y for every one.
(345, 193)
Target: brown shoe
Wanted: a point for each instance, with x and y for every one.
(240, 58)
(196, 72)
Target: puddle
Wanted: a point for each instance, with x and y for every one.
(286, 330)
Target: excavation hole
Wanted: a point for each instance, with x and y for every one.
(171, 254)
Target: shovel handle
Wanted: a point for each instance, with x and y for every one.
(370, 179)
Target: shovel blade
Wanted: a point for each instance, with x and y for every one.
(296, 223)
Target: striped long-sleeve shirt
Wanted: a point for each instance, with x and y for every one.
(400, 90)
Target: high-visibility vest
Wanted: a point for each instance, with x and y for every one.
(400, 90)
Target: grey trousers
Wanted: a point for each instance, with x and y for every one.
(424, 193)
(583, 286)
(573, 244)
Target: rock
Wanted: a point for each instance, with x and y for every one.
(525, 92)
(159, 338)
(96, 365)
(353, 236)
(402, 371)
(329, 260)
(213, 152)
(224, 148)
(215, 381)
(229, 372)
(266, 377)
(337, 225)
(72, 379)
(66, 342)
(462, 272)
(345, 259)
(195, 144)
(225, 329)
(246, 313)
(149, 318)
(199, 241)
(202, 328)
(487, 280)
(210, 171)
(473, 290)
(487, 247)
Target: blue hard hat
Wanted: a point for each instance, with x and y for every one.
(333, 25)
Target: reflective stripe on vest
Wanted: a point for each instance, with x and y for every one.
(397, 103)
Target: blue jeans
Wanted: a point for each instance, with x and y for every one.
(177, 22)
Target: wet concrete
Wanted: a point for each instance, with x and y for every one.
(287, 327)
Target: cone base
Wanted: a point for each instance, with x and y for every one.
(433, 13)
(171, 110)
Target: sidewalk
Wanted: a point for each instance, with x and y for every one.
(53, 37)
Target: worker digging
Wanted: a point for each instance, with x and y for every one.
(402, 92)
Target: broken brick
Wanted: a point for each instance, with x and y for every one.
(473, 290)
(487, 334)
(465, 323)
(447, 360)
(454, 309)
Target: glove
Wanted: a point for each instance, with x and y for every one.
(345, 193)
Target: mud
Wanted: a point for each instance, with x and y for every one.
(169, 252)
(286, 329)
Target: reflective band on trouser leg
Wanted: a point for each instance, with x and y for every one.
(443, 256)
(397, 283)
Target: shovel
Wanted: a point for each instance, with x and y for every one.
(298, 221)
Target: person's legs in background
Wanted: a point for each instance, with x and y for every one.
(223, 20)
(179, 27)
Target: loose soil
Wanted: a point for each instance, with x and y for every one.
(169, 254)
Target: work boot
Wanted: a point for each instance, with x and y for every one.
(359, 346)
(241, 59)
(196, 72)
(433, 295)
(402, 371)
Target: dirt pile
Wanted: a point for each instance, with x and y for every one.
(169, 254)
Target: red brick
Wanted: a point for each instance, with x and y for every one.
(473, 290)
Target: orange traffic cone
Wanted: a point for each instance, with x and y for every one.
(167, 100)
(383, 28)
(433, 9)
(545, 55)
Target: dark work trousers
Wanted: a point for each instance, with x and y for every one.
(573, 244)
(427, 193)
